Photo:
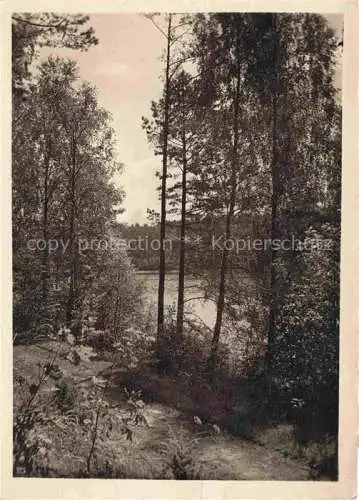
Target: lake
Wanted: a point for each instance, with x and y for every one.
(197, 308)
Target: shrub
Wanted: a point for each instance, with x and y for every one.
(30, 446)
(179, 459)
(70, 427)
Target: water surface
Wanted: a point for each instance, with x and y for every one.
(195, 306)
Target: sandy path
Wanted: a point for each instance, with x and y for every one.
(216, 456)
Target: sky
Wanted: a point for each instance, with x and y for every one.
(126, 68)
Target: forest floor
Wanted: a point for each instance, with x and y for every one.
(171, 441)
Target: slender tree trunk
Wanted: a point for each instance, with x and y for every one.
(225, 252)
(73, 256)
(181, 274)
(45, 255)
(162, 270)
(117, 306)
(274, 234)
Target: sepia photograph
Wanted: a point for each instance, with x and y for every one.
(176, 184)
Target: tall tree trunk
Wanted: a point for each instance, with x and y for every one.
(45, 255)
(225, 251)
(162, 270)
(181, 273)
(118, 304)
(274, 233)
(73, 256)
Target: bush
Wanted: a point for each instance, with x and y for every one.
(69, 427)
(307, 344)
(179, 460)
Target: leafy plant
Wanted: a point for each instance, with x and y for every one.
(27, 443)
(180, 460)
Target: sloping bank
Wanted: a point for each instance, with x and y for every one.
(165, 443)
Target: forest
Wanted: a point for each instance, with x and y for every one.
(247, 132)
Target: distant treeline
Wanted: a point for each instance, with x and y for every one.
(204, 241)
